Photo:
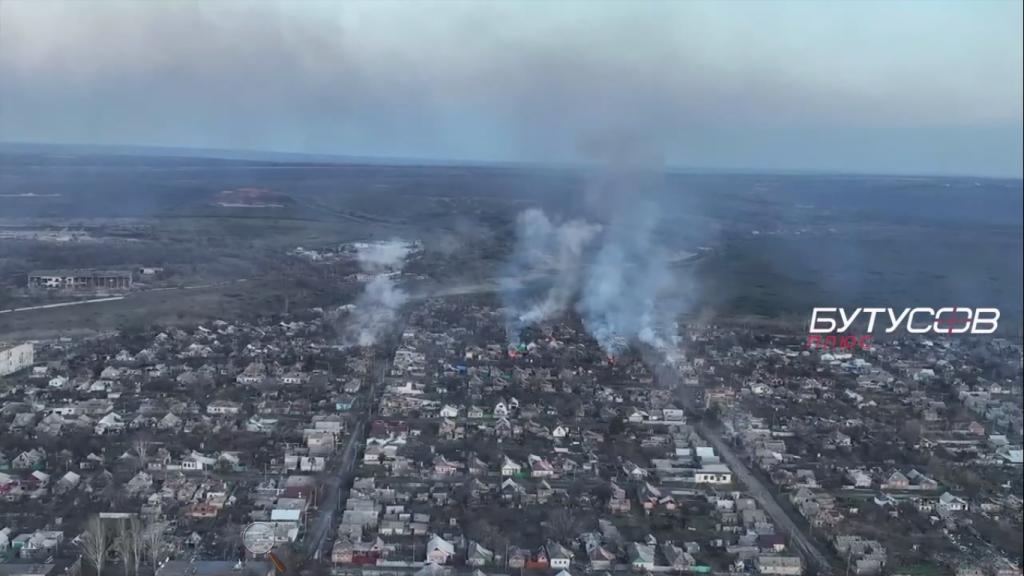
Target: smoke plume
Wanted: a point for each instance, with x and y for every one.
(544, 249)
(377, 307)
(616, 274)
(382, 256)
(625, 296)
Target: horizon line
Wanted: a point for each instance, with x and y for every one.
(321, 158)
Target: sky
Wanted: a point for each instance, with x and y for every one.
(922, 87)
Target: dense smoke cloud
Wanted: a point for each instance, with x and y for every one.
(617, 273)
(620, 299)
(377, 307)
(382, 256)
(544, 248)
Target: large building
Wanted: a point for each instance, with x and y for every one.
(84, 280)
(16, 358)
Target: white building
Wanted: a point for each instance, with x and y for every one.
(109, 424)
(312, 463)
(16, 358)
(439, 550)
(713, 474)
(949, 503)
(223, 407)
(779, 565)
(509, 467)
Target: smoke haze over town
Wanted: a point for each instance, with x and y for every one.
(496, 288)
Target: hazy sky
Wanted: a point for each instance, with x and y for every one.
(916, 87)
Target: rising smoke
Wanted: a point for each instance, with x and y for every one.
(377, 307)
(616, 273)
(544, 249)
(621, 302)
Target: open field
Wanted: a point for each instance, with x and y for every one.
(779, 245)
(169, 307)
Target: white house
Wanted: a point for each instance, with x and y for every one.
(559, 557)
(509, 467)
(197, 461)
(673, 414)
(636, 416)
(713, 474)
(109, 424)
(439, 550)
(223, 407)
(779, 565)
(950, 503)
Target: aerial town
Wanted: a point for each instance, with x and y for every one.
(511, 288)
(441, 450)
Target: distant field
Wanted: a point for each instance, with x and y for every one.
(781, 244)
(143, 309)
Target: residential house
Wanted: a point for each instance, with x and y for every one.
(619, 502)
(713, 474)
(641, 556)
(948, 503)
(679, 560)
(559, 557)
(222, 407)
(477, 555)
(510, 468)
(439, 550)
(779, 565)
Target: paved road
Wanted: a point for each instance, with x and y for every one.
(120, 297)
(335, 492)
(341, 475)
(807, 548)
(61, 304)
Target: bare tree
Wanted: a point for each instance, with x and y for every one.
(153, 544)
(129, 543)
(562, 525)
(95, 542)
(490, 535)
(911, 431)
(141, 446)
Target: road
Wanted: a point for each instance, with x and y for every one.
(121, 297)
(341, 475)
(336, 491)
(61, 304)
(807, 548)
